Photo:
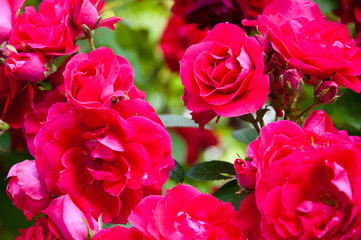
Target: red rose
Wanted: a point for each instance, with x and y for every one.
(26, 66)
(112, 157)
(223, 75)
(47, 31)
(99, 79)
(302, 39)
(26, 189)
(185, 213)
(312, 195)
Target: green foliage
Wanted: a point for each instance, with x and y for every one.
(346, 112)
(245, 135)
(212, 170)
(230, 192)
(327, 6)
(177, 174)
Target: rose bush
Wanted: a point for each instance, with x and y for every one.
(185, 213)
(223, 75)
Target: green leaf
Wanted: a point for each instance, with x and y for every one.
(229, 192)
(177, 174)
(346, 112)
(212, 170)
(173, 120)
(327, 6)
(245, 135)
(226, 192)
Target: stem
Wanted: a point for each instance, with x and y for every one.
(91, 43)
(249, 118)
(306, 110)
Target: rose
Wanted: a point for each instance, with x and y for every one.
(246, 173)
(8, 15)
(40, 231)
(224, 75)
(16, 97)
(302, 39)
(71, 217)
(26, 66)
(185, 213)
(26, 189)
(207, 13)
(255, 7)
(176, 38)
(312, 194)
(281, 138)
(112, 157)
(47, 31)
(99, 79)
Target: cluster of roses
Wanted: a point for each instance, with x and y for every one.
(99, 148)
(302, 181)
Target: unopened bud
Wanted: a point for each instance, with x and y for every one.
(292, 79)
(326, 92)
(246, 173)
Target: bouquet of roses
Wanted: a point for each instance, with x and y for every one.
(101, 154)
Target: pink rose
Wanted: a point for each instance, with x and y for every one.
(40, 231)
(112, 157)
(176, 38)
(26, 189)
(70, 217)
(326, 92)
(47, 31)
(224, 75)
(302, 39)
(26, 66)
(185, 213)
(16, 97)
(312, 194)
(9, 9)
(99, 79)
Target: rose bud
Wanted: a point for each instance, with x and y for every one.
(27, 190)
(26, 66)
(326, 92)
(292, 79)
(246, 173)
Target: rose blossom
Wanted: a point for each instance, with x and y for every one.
(246, 173)
(26, 189)
(312, 195)
(281, 138)
(9, 9)
(70, 217)
(26, 66)
(99, 79)
(40, 231)
(185, 213)
(114, 233)
(302, 39)
(223, 75)
(112, 157)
